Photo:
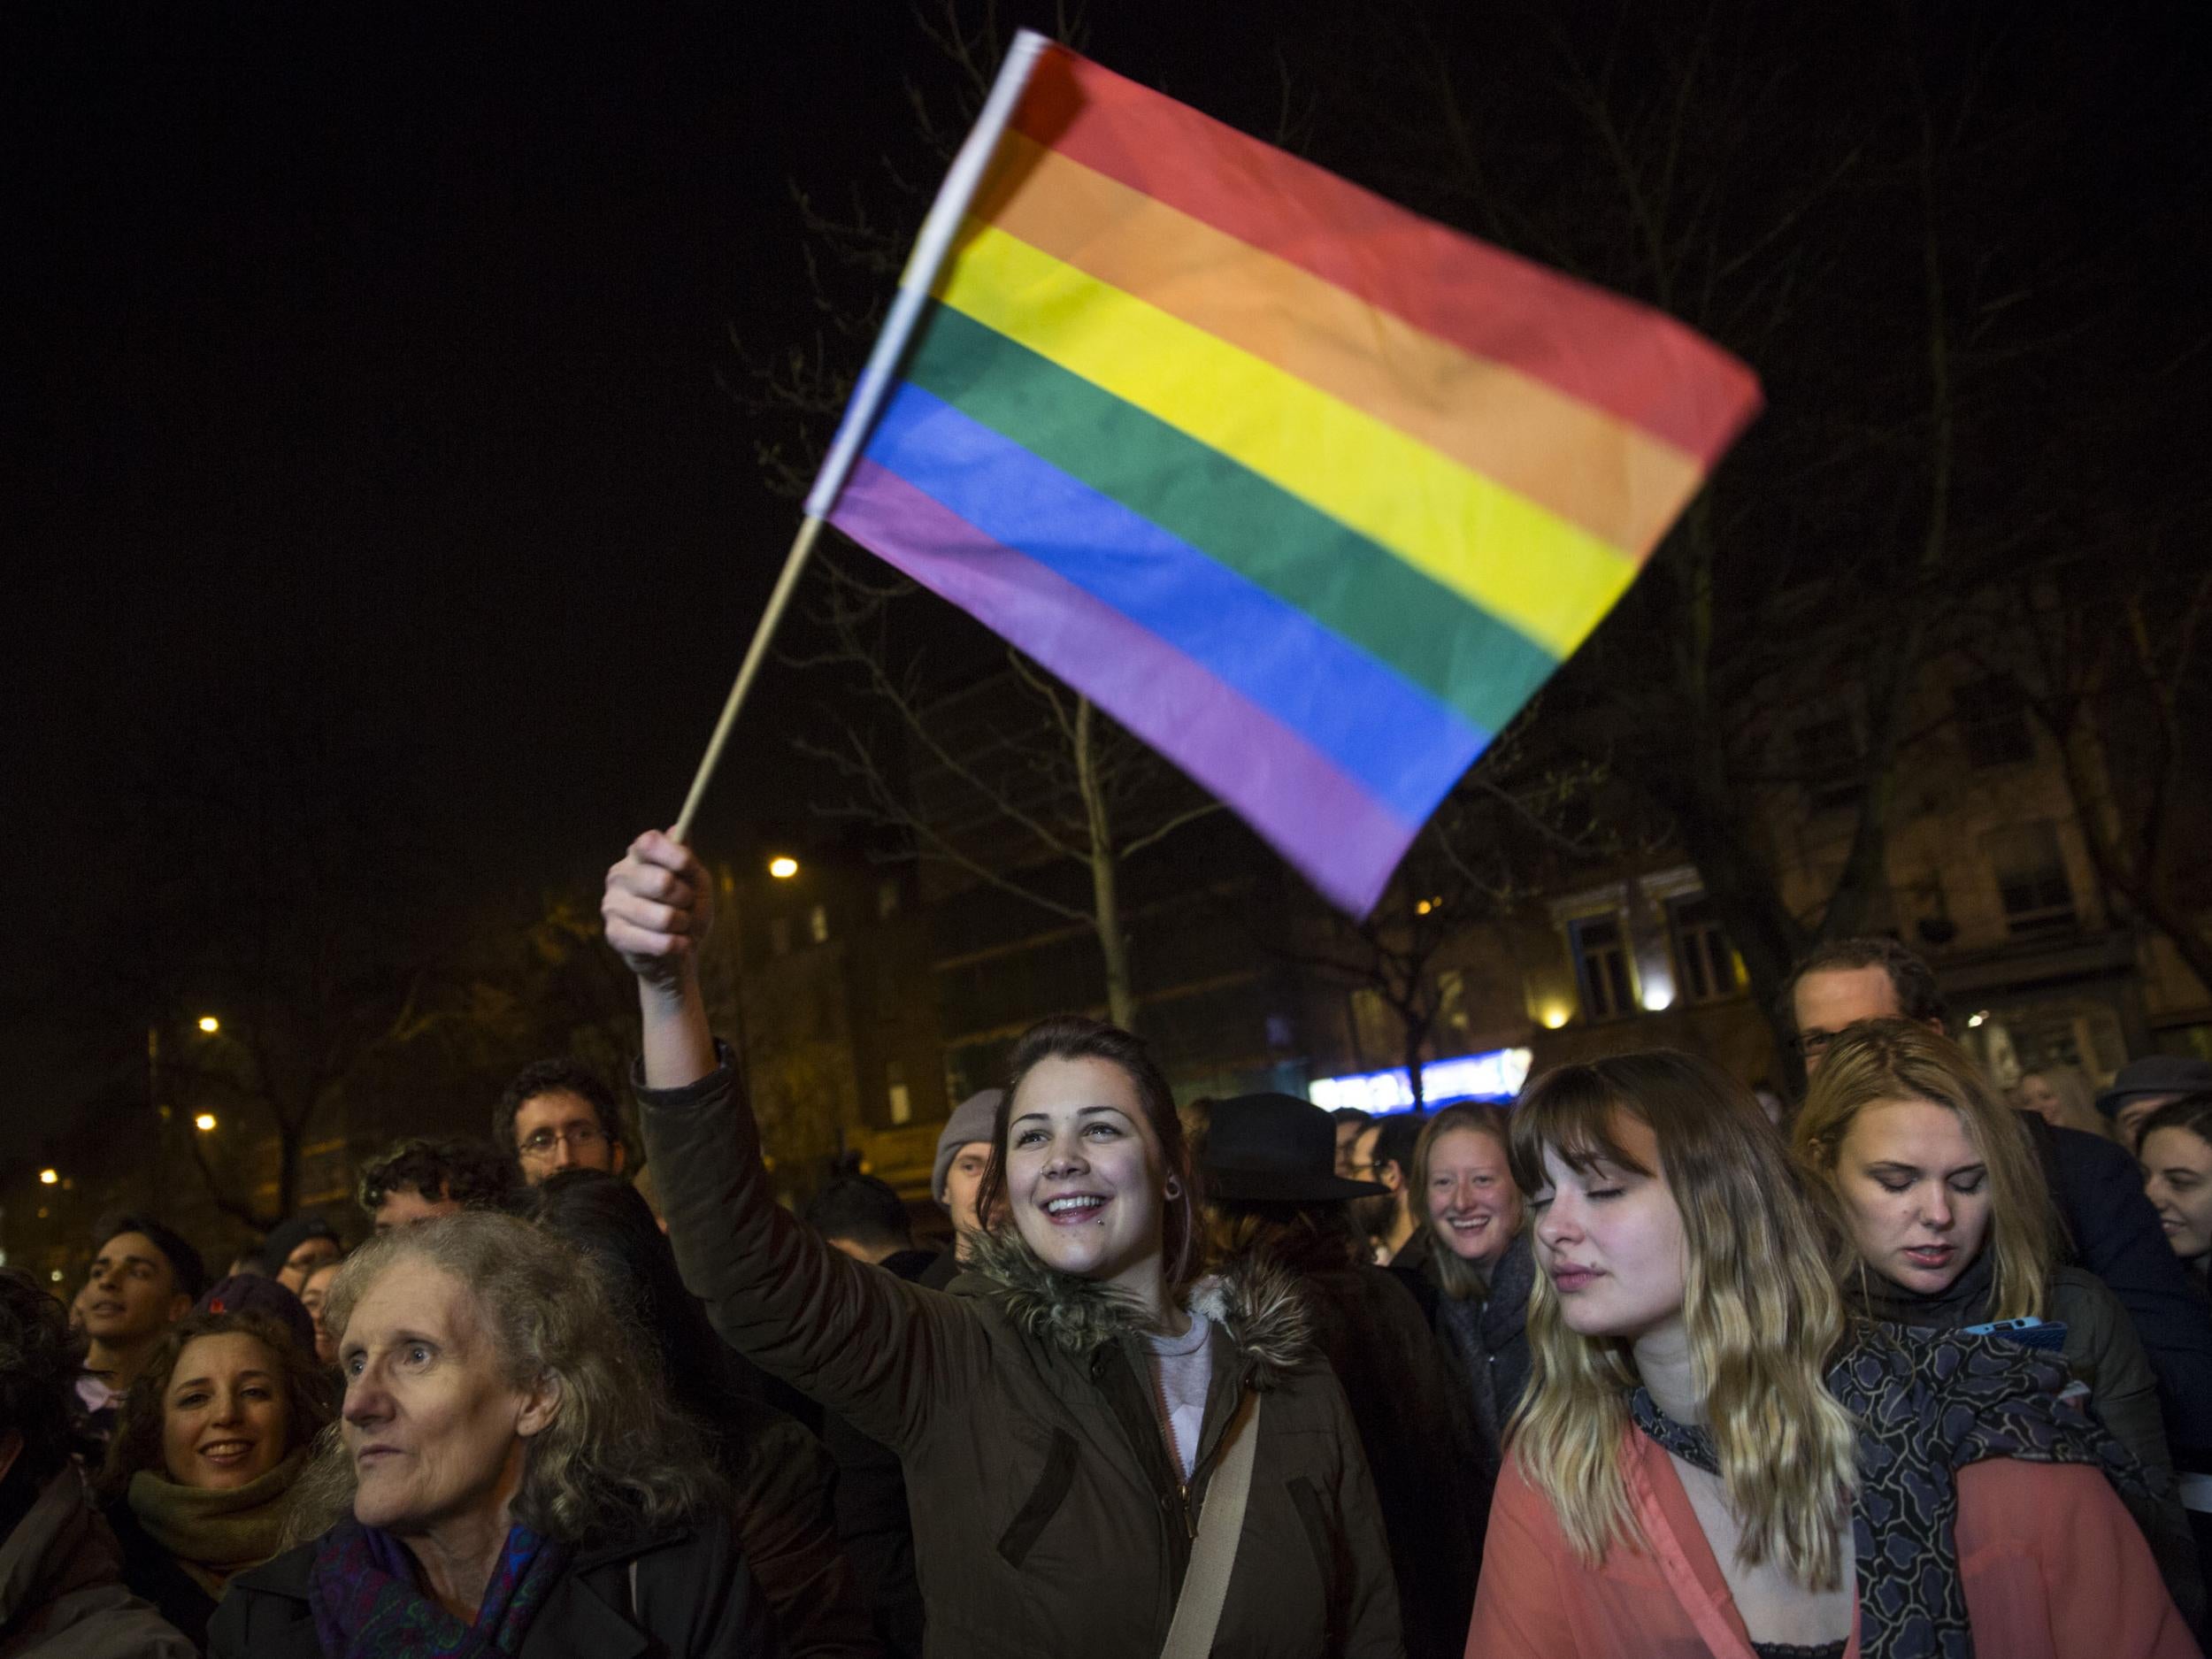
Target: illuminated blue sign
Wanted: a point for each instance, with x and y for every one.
(1495, 1076)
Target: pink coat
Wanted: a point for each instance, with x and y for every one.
(2054, 1568)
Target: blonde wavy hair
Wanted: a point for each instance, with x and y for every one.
(1459, 1279)
(617, 1458)
(1883, 1061)
(1762, 1311)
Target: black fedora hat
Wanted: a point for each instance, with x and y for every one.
(1274, 1149)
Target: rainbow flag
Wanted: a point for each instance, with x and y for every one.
(1310, 493)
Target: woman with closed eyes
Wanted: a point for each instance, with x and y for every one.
(1713, 1457)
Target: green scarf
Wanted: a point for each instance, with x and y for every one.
(213, 1534)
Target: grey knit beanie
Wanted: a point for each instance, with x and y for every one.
(970, 1121)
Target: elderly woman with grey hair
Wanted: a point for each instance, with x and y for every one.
(507, 1479)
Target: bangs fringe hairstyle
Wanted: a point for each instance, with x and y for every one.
(1886, 1060)
(1761, 1310)
(1461, 1280)
(1074, 1037)
(617, 1460)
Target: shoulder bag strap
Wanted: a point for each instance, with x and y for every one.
(1220, 1524)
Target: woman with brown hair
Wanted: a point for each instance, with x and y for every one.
(1104, 1452)
(1710, 1457)
(206, 1458)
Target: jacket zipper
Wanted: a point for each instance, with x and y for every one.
(1174, 1457)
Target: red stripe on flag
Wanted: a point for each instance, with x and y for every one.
(1635, 362)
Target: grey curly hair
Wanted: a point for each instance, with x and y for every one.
(618, 1459)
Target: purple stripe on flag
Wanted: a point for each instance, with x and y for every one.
(1343, 840)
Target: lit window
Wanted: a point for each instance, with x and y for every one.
(1601, 949)
(1703, 961)
(817, 923)
(895, 1086)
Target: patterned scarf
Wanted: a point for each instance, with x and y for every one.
(1928, 1404)
(362, 1591)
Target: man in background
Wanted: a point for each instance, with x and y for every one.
(422, 1180)
(557, 1115)
(1384, 1154)
(144, 1278)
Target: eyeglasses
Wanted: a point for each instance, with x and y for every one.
(576, 1137)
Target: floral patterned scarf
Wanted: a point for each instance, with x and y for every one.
(1928, 1404)
(362, 1591)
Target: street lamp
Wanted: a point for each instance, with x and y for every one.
(783, 868)
(204, 1121)
(47, 1178)
(210, 1024)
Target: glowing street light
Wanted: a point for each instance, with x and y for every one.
(210, 1024)
(1555, 1016)
(204, 1121)
(47, 1178)
(783, 868)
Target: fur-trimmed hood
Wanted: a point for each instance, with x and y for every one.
(1256, 1301)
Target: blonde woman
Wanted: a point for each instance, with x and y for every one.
(1478, 1260)
(1712, 1459)
(1942, 1219)
(2062, 1097)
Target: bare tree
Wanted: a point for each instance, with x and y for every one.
(1009, 778)
(1859, 228)
(2113, 663)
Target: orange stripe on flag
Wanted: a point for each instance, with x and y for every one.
(1589, 467)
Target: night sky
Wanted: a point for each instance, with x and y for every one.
(366, 370)
(362, 366)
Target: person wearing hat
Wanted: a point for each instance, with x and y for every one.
(2141, 1086)
(955, 1179)
(1275, 1209)
(295, 1247)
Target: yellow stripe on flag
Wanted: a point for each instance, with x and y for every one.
(1549, 579)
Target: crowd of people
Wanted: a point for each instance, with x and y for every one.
(1641, 1364)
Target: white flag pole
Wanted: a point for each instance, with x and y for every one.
(931, 249)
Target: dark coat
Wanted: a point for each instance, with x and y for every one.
(682, 1594)
(60, 1597)
(873, 1524)
(153, 1575)
(2116, 1235)
(783, 1480)
(1413, 1426)
(1487, 1340)
(1023, 1405)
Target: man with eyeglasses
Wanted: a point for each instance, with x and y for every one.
(2095, 1184)
(557, 1116)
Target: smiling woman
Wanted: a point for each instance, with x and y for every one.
(507, 1475)
(1077, 1414)
(203, 1471)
